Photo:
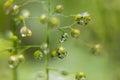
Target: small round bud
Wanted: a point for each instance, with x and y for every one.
(21, 58)
(7, 6)
(64, 37)
(43, 18)
(59, 8)
(75, 33)
(25, 13)
(61, 53)
(13, 62)
(86, 15)
(15, 9)
(80, 75)
(85, 19)
(8, 3)
(54, 21)
(43, 46)
(54, 53)
(14, 38)
(78, 17)
(96, 49)
(46, 51)
(38, 54)
(20, 17)
(25, 31)
(61, 49)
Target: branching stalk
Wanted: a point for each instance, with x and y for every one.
(15, 45)
(47, 40)
(15, 77)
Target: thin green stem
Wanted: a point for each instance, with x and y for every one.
(29, 46)
(47, 40)
(15, 76)
(47, 65)
(13, 25)
(24, 49)
(15, 45)
(66, 27)
(66, 16)
(24, 22)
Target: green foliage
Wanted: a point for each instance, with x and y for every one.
(103, 30)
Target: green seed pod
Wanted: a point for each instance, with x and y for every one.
(75, 33)
(13, 62)
(54, 21)
(43, 18)
(54, 53)
(14, 38)
(64, 37)
(78, 17)
(20, 17)
(61, 53)
(59, 8)
(21, 58)
(96, 49)
(25, 31)
(80, 75)
(15, 9)
(86, 15)
(8, 5)
(85, 18)
(38, 54)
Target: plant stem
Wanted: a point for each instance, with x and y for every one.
(15, 77)
(47, 40)
(47, 54)
(15, 45)
(15, 74)
(47, 64)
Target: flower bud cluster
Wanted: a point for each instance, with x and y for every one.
(80, 76)
(15, 60)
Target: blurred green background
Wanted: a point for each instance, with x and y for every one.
(103, 29)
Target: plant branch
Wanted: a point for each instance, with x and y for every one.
(15, 45)
(47, 40)
(15, 77)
